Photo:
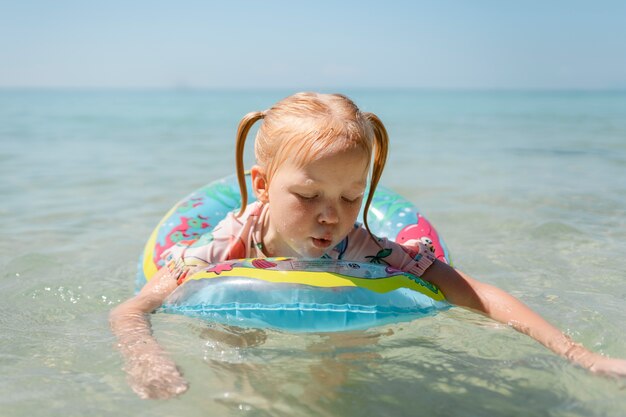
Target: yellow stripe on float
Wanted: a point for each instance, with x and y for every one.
(323, 279)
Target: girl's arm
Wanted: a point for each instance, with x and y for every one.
(464, 291)
(151, 374)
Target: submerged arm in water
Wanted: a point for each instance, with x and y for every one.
(464, 291)
(151, 373)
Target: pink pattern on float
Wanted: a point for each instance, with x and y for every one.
(219, 268)
(262, 263)
(186, 232)
(424, 232)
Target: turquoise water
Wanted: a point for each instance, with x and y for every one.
(527, 188)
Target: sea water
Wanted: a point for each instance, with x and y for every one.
(527, 188)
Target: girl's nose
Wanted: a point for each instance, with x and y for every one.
(328, 215)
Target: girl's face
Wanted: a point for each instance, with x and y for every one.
(312, 208)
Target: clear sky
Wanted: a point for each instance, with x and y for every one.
(475, 44)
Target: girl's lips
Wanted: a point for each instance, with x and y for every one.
(321, 243)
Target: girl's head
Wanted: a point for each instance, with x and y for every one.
(307, 127)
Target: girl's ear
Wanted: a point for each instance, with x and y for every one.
(260, 185)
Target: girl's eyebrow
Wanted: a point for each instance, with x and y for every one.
(309, 182)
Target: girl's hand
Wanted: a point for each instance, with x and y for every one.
(154, 376)
(609, 366)
(595, 362)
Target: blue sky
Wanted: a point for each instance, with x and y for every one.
(480, 44)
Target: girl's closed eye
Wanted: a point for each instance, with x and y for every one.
(353, 196)
(305, 196)
(352, 200)
(313, 196)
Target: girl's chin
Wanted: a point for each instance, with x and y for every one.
(312, 252)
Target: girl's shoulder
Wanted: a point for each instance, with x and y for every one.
(233, 224)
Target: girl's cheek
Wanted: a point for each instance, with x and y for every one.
(302, 206)
(294, 214)
(353, 212)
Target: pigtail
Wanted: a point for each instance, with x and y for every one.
(381, 146)
(242, 133)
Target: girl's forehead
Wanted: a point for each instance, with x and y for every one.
(347, 166)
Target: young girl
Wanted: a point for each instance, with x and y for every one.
(313, 154)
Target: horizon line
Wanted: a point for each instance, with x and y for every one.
(309, 88)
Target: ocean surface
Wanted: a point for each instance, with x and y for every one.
(528, 189)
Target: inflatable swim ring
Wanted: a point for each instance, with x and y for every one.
(290, 294)
(304, 295)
